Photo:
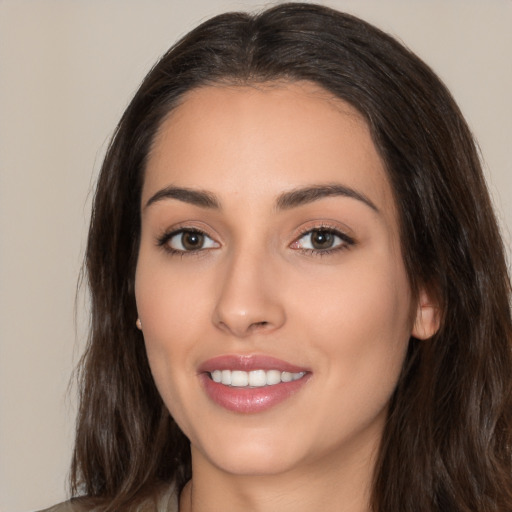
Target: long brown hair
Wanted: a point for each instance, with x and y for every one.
(447, 442)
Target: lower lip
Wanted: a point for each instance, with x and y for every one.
(250, 400)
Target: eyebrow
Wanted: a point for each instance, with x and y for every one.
(285, 201)
(187, 195)
(301, 196)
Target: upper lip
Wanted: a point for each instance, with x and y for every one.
(248, 363)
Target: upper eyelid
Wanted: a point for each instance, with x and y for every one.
(344, 232)
(185, 226)
(336, 232)
(169, 233)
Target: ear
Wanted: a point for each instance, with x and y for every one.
(427, 319)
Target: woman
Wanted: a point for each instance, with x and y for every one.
(299, 293)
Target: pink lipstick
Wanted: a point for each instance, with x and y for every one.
(250, 384)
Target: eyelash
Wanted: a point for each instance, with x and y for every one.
(163, 241)
(346, 241)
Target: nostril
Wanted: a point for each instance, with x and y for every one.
(259, 324)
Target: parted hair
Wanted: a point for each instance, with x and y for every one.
(447, 441)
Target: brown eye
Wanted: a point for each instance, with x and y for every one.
(322, 239)
(191, 240)
(188, 240)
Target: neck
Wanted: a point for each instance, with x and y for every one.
(328, 486)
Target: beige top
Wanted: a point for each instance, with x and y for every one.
(166, 502)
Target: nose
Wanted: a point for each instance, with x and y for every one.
(248, 299)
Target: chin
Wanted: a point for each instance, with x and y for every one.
(256, 457)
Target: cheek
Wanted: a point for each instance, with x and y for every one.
(169, 303)
(364, 342)
(169, 312)
(359, 299)
(360, 322)
(169, 307)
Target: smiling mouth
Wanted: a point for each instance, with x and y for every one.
(250, 384)
(253, 378)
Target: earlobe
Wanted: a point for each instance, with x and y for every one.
(427, 319)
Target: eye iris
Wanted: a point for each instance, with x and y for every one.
(322, 239)
(192, 240)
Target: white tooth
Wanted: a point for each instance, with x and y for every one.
(286, 377)
(254, 378)
(273, 377)
(226, 377)
(257, 378)
(239, 378)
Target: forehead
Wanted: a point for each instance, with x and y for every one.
(265, 139)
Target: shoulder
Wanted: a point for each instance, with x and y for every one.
(68, 506)
(164, 500)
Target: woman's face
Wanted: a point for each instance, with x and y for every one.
(270, 261)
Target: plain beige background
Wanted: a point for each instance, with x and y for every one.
(67, 70)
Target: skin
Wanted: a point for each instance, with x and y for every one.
(257, 287)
